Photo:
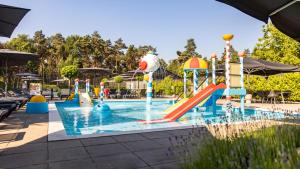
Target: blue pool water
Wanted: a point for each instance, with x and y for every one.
(126, 117)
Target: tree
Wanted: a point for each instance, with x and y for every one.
(21, 43)
(70, 71)
(190, 51)
(118, 80)
(119, 46)
(276, 47)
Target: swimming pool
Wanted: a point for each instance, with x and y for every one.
(126, 117)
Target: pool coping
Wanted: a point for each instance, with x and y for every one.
(56, 130)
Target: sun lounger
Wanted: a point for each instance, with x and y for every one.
(6, 109)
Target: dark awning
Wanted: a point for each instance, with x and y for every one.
(15, 58)
(264, 68)
(285, 14)
(9, 19)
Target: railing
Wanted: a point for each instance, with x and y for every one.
(197, 88)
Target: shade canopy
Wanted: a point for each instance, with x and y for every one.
(26, 74)
(263, 67)
(9, 19)
(195, 63)
(285, 14)
(14, 58)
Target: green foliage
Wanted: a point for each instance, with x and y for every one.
(168, 86)
(69, 71)
(118, 79)
(104, 80)
(50, 86)
(276, 47)
(273, 147)
(31, 66)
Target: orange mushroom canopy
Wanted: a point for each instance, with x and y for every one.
(195, 63)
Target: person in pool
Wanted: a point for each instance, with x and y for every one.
(106, 92)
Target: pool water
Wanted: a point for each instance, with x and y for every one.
(126, 117)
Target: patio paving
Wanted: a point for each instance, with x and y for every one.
(24, 145)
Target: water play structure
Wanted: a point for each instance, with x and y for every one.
(149, 64)
(234, 86)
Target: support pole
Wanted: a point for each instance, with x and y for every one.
(227, 38)
(213, 62)
(206, 77)
(228, 104)
(101, 93)
(87, 85)
(242, 97)
(195, 80)
(149, 88)
(76, 86)
(184, 84)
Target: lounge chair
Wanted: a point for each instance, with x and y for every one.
(6, 108)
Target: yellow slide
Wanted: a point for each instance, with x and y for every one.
(85, 100)
(171, 108)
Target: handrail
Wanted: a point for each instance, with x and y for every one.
(192, 91)
(197, 88)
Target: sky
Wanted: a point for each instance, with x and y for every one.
(164, 24)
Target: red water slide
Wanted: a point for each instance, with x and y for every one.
(191, 103)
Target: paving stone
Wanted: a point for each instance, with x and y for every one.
(73, 164)
(39, 166)
(167, 166)
(129, 137)
(97, 141)
(155, 157)
(163, 141)
(119, 161)
(67, 154)
(158, 134)
(142, 145)
(25, 148)
(64, 144)
(106, 149)
(24, 159)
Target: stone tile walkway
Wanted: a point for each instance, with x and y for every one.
(24, 145)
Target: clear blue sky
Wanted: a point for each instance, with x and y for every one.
(165, 24)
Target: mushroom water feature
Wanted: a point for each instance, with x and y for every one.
(149, 64)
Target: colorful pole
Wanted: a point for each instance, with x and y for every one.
(76, 86)
(213, 62)
(227, 38)
(242, 97)
(195, 81)
(184, 83)
(87, 85)
(101, 93)
(206, 77)
(149, 88)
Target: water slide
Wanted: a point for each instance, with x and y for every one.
(85, 100)
(199, 99)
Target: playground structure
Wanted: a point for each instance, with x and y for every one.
(234, 86)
